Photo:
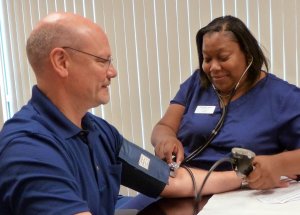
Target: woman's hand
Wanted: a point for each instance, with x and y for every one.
(168, 147)
(266, 174)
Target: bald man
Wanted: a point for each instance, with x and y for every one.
(55, 156)
(52, 162)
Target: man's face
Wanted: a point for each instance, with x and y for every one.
(91, 71)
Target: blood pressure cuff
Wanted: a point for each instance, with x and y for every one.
(142, 171)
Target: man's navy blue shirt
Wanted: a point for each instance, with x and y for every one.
(50, 166)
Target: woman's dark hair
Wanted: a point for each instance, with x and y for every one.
(242, 35)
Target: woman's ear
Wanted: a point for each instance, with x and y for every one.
(60, 60)
(249, 59)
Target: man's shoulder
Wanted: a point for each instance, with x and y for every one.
(22, 122)
(25, 124)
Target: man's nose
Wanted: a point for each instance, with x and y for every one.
(111, 71)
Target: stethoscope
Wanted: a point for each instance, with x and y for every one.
(220, 123)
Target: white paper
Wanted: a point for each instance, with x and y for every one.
(280, 196)
(249, 202)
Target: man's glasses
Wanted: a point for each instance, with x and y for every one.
(106, 62)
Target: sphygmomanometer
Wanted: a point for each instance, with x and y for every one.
(141, 170)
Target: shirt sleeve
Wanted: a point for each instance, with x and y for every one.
(185, 92)
(289, 115)
(37, 179)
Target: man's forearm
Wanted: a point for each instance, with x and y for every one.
(218, 182)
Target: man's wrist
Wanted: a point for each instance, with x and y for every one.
(244, 183)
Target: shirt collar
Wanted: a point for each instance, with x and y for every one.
(53, 118)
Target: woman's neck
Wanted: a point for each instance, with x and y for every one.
(240, 91)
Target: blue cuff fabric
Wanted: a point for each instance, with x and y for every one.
(142, 171)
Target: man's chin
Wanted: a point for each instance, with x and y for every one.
(104, 101)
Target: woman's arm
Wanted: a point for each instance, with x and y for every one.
(164, 137)
(269, 169)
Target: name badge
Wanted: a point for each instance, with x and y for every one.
(205, 109)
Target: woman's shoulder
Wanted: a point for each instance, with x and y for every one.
(195, 75)
(279, 85)
(192, 81)
(281, 90)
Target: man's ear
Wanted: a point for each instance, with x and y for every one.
(60, 60)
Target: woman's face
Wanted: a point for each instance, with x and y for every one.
(223, 60)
